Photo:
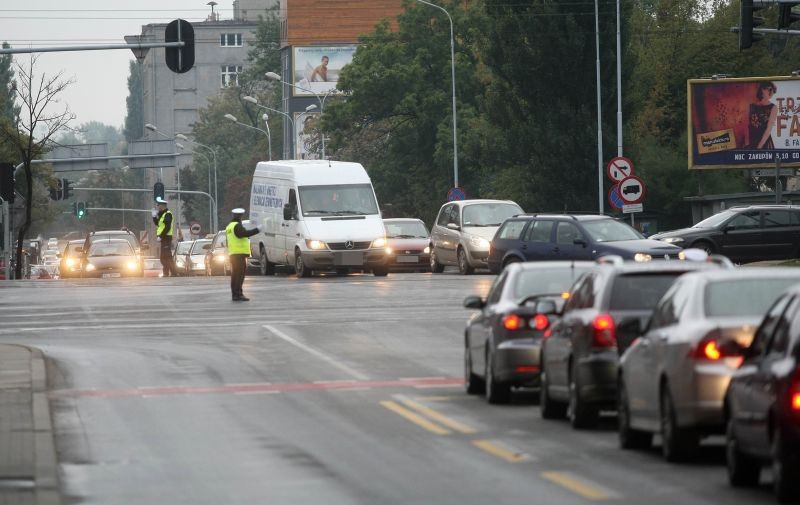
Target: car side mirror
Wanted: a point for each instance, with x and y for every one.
(453, 226)
(288, 212)
(580, 242)
(474, 302)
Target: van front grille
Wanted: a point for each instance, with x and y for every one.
(342, 246)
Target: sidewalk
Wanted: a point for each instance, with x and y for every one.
(28, 467)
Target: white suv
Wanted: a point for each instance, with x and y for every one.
(463, 232)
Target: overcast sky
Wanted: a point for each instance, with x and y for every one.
(101, 77)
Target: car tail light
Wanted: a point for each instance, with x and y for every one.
(527, 369)
(715, 347)
(604, 331)
(513, 322)
(794, 393)
(540, 322)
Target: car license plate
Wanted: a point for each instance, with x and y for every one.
(408, 259)
(348, 258)
(114, 274)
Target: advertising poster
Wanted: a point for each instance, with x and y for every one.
(305, 142)
(317, 68)
(744, 123)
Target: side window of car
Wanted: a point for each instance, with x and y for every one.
(745, 220)
(539, 231)
(777, 218)
(583, 293)
(454, 215)
(497, 289)
(444, 215)
(567, 233)
(511, 230)
(574, 300)
(764, 334)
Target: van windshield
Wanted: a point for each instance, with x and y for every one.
(338, 200)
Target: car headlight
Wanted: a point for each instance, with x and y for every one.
(220, 258)
(389, 250)
(90, 267)
(379, 242)
(642, 257)
(479, 242)
(316, 245)
(427, 250)
(70, 262)
(672, 240)
(132, 265)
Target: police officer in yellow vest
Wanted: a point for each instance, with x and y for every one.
(163, 220)
(238, 251)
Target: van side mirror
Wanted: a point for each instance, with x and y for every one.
(288, 212)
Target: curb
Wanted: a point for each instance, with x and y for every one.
(46, 473)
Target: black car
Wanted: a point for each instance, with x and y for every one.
(751, 233)
(547, 237)
(502, 341)
(762, 404)
(217, 261)
(604, 314)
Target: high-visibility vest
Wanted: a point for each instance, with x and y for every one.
(236, 245)
(162, 225)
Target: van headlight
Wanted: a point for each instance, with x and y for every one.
(379, 242)
(316, 245)
(642, 257)
(478, 242)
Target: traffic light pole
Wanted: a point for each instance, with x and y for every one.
(149, 45)
(6, 239)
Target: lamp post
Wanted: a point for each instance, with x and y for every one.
(320, 98)
(254, 101)
(214, 154)
(300, 117)
(233, 119)
(208, 164)
(155, 129)
(453, 78)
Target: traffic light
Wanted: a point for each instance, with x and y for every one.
(748, 20)
(7, 182)
(74, 208)
(179, 59)
(80, 210)
(158, 190)
(786, 15)
(65, 189)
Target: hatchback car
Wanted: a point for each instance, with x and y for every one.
(195, 259)
(752, 233)
(462, 231)
(762, 405)
(179, 255)
(602, 317)
(502, 341)
(70, 260)
(547, 237)
(107, 258)
(217, 261)
(409, 242)
(673, 379)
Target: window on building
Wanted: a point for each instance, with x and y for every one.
(230, 39)
(230, 75)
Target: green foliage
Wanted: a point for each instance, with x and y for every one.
(134, 119)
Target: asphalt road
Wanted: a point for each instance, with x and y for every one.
(334, 390)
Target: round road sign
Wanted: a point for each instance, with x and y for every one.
(195, 228)
(614, 199)
(456, 194)
(619, 168)
(632, 190)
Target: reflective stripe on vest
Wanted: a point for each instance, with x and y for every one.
(236, 245)
(161, 224)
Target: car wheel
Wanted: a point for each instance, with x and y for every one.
(436, 267)
(549, 408)
(704, 245)
(512, 259)
(743, 470)
(472, 383)
(300, 267)
(581, 415)
(677, 444)
(785, 471)
(382, 271)
(267, 267)
(496, 393)
(464, 268)
(629, 438)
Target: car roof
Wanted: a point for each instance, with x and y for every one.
(113, 241)
(547, 265)
(112, 232)
(571, 217)
(398, 219)
(773, 206)
(661, 266)
(747, 272)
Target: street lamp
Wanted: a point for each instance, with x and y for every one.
(311, 107)
(155, 129)
(214, 153)
(453, 77)
(321, 98)
(254, 101)
(232, 118)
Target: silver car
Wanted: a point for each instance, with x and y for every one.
(463, 231)
(673, 378)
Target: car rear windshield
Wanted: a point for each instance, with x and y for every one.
(640, 291)
(743, 297)
(405, 229)
(489, 214)
(609, 230)
(550, 281)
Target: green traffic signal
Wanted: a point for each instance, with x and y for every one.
(80, 210)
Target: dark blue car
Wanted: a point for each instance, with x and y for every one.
(549, 237)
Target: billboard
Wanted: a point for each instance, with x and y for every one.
(304, 142)
(744, 123)
(316, 69)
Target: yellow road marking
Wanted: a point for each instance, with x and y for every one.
(415, 418)
(441, 418)
(577, 486)
(500, 452)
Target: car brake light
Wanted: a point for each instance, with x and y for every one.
(795, 392)
(711, 351)
(604, 331)
(716, 347)
(512, 322)
(540, 322)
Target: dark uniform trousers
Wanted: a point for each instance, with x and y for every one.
(238, 267)
(167, 261)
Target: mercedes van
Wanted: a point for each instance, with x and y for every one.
(316, 215)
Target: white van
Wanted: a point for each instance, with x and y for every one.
(316, 215)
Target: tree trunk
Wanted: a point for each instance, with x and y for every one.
(23, 230)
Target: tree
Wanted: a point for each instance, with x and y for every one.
(9, 110)
(134, 119)
(35, 130)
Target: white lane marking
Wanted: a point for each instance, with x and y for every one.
(319, 354)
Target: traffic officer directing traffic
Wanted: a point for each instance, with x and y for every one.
(163, 220)
(238, 252)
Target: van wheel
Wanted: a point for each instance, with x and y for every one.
(436, 267)
(464, 268)
(300, 267)
(267, 268)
